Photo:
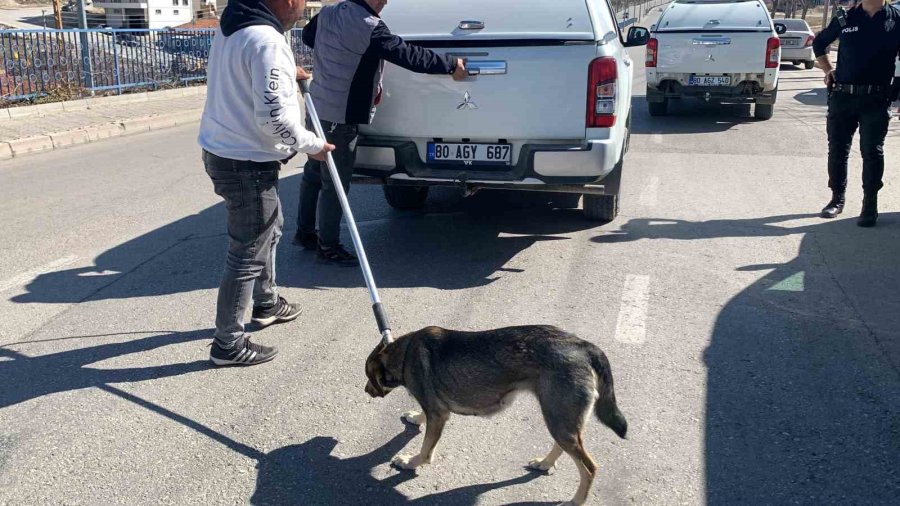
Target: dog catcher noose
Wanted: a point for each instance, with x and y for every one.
(384, 326)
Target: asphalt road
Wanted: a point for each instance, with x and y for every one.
(755, 347)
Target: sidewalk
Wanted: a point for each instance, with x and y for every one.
(39, 128)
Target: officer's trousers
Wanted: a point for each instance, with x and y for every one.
(846, 113)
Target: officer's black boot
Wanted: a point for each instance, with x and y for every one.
(869, 211)
(835, 207)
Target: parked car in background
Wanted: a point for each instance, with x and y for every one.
(717, 50)
(547, 106)
(796, 42)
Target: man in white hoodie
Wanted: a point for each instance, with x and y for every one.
(251, 124)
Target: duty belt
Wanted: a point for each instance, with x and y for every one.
(860, 89)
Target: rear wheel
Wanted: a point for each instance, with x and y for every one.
(809, 64)
(405, 197)
(601, 207)
(764, 111)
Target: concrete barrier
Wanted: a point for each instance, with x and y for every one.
(28, 145)
(70, 138)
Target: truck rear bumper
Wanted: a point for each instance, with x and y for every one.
(744, 92)
(538, 164)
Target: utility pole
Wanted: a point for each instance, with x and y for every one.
(57, 14)
(85, 47)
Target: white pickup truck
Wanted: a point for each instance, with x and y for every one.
(546, 107)
(715, 50)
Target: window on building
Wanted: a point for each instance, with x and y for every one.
(184, 2)
(175, 12)
(175, 3)
(158, 11)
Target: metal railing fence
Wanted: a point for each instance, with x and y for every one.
(75, 63)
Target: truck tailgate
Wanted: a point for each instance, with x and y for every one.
(534, 90)
(712, 53)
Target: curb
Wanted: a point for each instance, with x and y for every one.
(95, 133)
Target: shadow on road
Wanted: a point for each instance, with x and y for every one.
(803, 368)
(25, 378)
(455, 244)
(689, 116)
(309, 474)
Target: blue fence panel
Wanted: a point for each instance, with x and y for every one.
(76, 63)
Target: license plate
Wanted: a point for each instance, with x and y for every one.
(790, 42)
(469, 154)
(710, 81)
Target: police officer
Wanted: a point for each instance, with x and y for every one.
(859, 97)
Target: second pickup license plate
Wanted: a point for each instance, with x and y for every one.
(469, 154)
(710, 81)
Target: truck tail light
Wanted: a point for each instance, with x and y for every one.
(652, 53)
(601, 106)
(772, 53)
(809, 41)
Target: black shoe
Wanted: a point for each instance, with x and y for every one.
(282, 312)
(243, 353)
(869, 214)
(307, 240)
(835, 207)
(336, 255)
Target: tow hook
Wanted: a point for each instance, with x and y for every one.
(467, 191)
(707, 96)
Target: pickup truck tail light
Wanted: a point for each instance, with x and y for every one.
(809, 41)
(601, 106)
(772, 53)
(652, 53)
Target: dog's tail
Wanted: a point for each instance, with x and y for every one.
(605, 407)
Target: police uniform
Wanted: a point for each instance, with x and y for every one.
(859, 98)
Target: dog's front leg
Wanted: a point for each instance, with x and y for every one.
(414, 418)
(434, 426)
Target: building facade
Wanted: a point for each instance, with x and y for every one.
(146, 14)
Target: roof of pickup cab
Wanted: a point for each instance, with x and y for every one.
(715, 16)
(503, 19)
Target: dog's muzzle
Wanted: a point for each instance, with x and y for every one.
(372, 391)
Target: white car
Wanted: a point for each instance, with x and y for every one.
(796, 42)
(547, 106)
(715, 50)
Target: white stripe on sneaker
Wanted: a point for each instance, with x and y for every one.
(251, 357)
(240, 356)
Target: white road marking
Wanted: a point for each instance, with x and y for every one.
(29, 276)
(631, 327)
(650, 193)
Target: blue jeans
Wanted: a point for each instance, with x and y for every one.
(318, 194)
(255, 221)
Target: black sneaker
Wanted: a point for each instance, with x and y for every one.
(243, 353)
(282, 312)
(336, 255)
(307, 240)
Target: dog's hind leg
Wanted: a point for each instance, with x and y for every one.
(548, 463)
(434, 426)
(587, 469)
(565, 411)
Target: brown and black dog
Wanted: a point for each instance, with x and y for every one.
(478, 373)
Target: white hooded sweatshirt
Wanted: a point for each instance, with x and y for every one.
(252, 110)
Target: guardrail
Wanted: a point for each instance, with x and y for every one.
(74, 63)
